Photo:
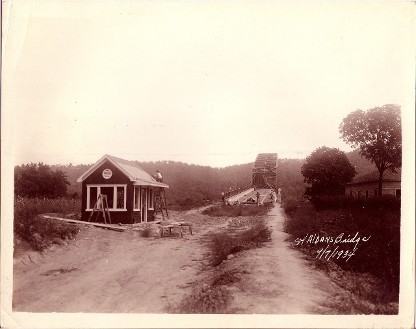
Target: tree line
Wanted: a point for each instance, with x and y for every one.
(39, 180)
(376, 132)
(189, 184)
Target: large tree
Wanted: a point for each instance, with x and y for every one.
(378, 134)
(327, 170)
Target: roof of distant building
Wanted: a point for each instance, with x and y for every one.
(388, 176)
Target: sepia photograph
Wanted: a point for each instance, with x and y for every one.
(207, 164)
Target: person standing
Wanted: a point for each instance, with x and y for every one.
(158, 176)
(274, 196)
(223, 196)
(258, 198)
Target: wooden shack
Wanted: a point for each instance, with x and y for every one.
(130, 191)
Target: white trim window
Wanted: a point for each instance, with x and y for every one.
(151, 199)
(137, 199)
(116, 196)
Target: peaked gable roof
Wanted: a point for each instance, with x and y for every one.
(388, 176)
(129, 168)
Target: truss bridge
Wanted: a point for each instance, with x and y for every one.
(264, 182)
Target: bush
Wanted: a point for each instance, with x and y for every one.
(39, 180)
(292, 196)
(41, 232)
(302, 220)
(224, 244)
(290, 205)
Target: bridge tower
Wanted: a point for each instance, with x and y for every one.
(265, 171)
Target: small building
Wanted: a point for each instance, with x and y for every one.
(366, 186)
(130, 191)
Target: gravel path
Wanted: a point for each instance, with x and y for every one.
(278, 279)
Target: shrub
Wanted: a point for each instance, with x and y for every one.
(292, 196)
(224, 244)
(225, 278)
(256, 235)
(290, 205)
(42, 232)
(206, 299)
(39, 180)
(303, 220)
(212, 296)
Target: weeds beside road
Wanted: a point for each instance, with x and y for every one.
(219, 269)
(372, 274)
(212, 295)
(40, 232)
(231, 242)
(223, 210)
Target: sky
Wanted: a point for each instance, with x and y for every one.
(208, 83)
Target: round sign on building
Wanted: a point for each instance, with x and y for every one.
(107, 173)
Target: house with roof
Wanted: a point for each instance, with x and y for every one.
(366, 186)
(130, 191)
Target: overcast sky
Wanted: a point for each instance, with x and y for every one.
(211, 83)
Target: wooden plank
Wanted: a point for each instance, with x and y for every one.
(169, 228)
(111, 227)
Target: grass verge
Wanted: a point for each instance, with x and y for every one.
(206, 300)
(372, 275)
(236, 210)
(40, 232)
(212, 296)
(226, 243)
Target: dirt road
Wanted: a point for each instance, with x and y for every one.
(108, 271)
(278, 279)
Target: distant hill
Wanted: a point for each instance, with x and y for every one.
(362, 165)
(189, 184)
